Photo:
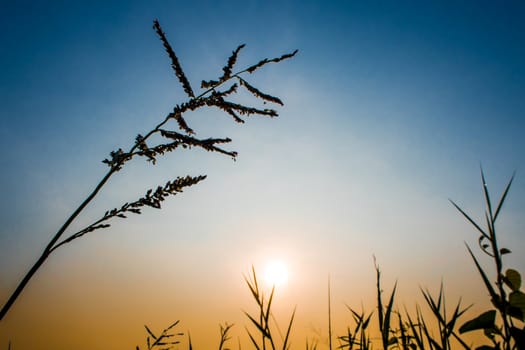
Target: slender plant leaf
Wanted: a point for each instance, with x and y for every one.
(433, 344)
(150, 332)
(492, 292)
(403, 333)
(416, 331)
(500, 204)
(259, 326)
(488, 202)
(254, 342)
(269, 306)
(388, 314)
(379, 300)
(470, 220)
(287, 337)
(484, 321)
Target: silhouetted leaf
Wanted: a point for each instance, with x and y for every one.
(494, 296)
(519, 337)
(483, 233)
(517, 302)
(150, 332)
(388, 315)
(483, 321)
(286, 338)
(504, 251)
(512, 279)
(488, 202)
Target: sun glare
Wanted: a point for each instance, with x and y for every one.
(276, 273)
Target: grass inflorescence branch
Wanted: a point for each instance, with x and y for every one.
(215, 96)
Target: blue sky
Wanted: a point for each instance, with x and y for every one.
(390, 108)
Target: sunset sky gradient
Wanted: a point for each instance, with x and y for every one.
(390, 109)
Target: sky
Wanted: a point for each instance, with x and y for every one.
(390, 108)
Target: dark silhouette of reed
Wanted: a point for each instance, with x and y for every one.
(216, 93)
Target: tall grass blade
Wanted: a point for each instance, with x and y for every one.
(254, 289)
(470, 220)
(504, 195)
(150, 332)
(402, 331)
(388, 314)
(379, 292)
(433, 344)
(287, 337)
(329, 316)
(269, 306)
(488, 202)
(416, 331)
(495, 298)
(260, 327)
(254, 342)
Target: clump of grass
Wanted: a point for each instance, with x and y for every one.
(417, 331)
(384, 313)
(262, 337)
(443, 331)
(165, 340)
(358, 337)
(264, 329)
(216, 94)
(505, 294)
(442, 328)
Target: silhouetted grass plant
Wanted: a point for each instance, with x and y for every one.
(442, 331)
(216, 94)
(505, 294)
(262, 321)
(440, 328)
(163, 341)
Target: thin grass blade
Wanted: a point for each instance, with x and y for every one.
(503, 197)
(490, 289)
(486, 193)
(259, 326)
(470, 220)
(254, 342)
(150, 332)
(286, 338)
(388, 315)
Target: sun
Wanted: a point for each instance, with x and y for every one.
(276, 273)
